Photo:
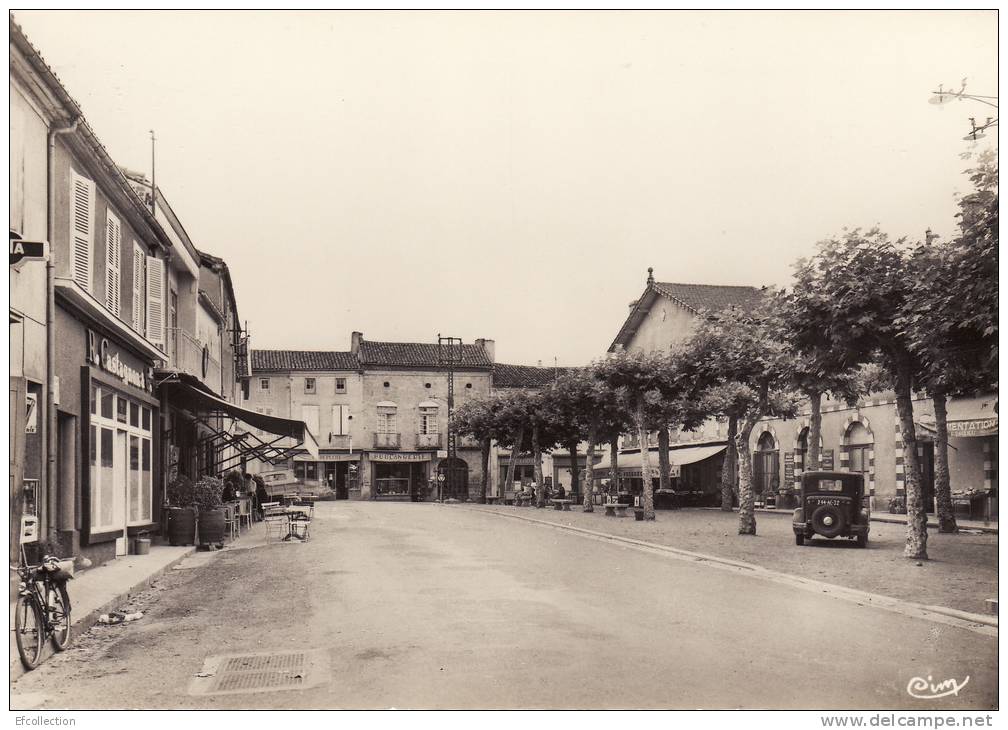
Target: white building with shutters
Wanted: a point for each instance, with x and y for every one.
(108, 312)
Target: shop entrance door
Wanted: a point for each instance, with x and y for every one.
(119, 486)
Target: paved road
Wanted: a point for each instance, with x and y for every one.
(430, 606)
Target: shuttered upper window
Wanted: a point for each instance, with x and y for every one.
(139, 279)
(82, 194)
(113, 279)
(310, 416)
(341, 420)
(155, 300)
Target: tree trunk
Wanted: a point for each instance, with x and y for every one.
(614, 466)
(728, 467)
(589, 485)
(916, 535)
(747, 502)
(485, 462)
(537, 468)
(575, 484)
(519, 434)
(645, 462)
(664, 482)
(943, 489)
(814, 433)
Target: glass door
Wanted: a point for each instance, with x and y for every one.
(119, 487)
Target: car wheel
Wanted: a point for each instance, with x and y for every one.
(862, 540)
(828, 521)
(799, 539)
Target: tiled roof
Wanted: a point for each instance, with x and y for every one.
(710, 298)
(417, 354)
(302, 360)
(524, 376)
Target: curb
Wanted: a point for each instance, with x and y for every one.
(883, 517)
(971, 620)
(84, 623)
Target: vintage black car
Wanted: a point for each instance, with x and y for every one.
(833, 505)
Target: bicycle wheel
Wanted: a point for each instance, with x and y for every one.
(28, 631)
(59, 616)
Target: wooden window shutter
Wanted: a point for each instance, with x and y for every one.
(113, 280)
(81, 229)
(155, 300)
(139, 275)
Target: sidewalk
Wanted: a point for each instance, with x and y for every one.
(99, 590)
(961, 574)
(988, 527)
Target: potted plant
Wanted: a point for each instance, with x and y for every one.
(181, 511)
(207, 497)
(897, 505)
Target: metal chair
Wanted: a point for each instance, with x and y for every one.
(275, 519)
(245, 512)
(300, 514)
(231, 518)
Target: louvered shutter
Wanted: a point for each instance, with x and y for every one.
(155, 301)
(139, 275)
(113, 280)
(345, 421)
(81, 230)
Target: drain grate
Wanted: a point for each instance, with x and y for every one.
(237, 673)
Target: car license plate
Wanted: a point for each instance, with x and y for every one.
(830, 502)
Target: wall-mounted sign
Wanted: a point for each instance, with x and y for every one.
(973, 428)
(102, 354)
(826, 460)
(788, 467)
(399, 456)
(31, 418)
(21, 252)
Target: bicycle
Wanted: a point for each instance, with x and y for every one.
(43, 609)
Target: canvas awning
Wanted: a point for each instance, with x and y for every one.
(283, 437)
(677, 457)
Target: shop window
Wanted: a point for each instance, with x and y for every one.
(341, 385)
(299, 470)
(122, 407)
(107, 405)
(309, 385)
(145, 423)
(134, 414)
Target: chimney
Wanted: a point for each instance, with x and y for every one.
(650, 276)
(488, 347)
(539, 364)
(355, 340)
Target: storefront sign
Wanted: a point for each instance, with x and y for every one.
(826, 460)
(327, 456)
(789, 468)
(104, 355)
(399, 456)
(31, 418)
(21, 252)
(973, 428)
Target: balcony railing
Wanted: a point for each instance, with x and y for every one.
(188, 353)
(386, 441)
(428, 441)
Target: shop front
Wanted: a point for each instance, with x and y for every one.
(105, 403)
(402, 476)
(335, 471)
(694, 476)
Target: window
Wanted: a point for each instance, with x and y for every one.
(82, 195)
(309, 385)
(341, 385)
(113, 280)
(139, 275)
(263, 383)
(387, 419)
(310, 416)
(341, 420)
(428, 420)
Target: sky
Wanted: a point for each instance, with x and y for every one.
(512, 175)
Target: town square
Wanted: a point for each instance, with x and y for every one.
(545, 360)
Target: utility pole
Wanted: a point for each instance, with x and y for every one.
(449, 357)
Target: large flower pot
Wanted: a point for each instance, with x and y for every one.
(211, 527)
(181, 526)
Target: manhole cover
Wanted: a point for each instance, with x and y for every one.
(238, 673)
